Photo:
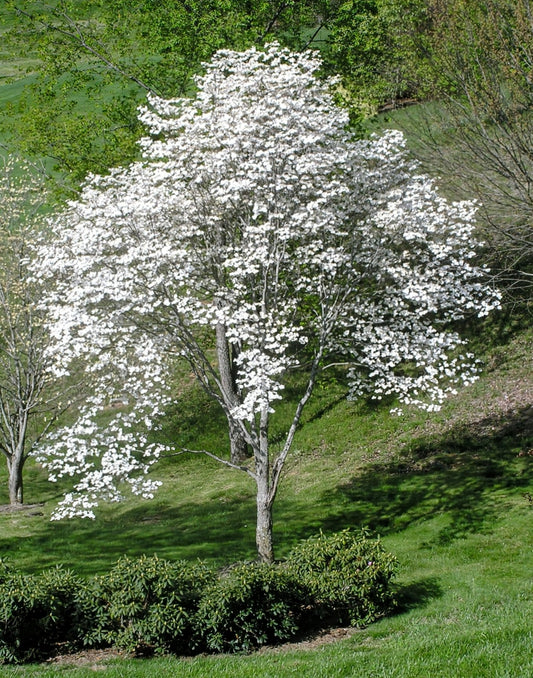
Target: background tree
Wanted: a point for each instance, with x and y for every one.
(94, 62)
(255, 235)
(31, 397)
(371, 43)
(478, 58)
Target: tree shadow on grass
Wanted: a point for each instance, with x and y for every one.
(207, 530)
(416, 594)
(465, 473)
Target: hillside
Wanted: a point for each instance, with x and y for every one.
(450, 493)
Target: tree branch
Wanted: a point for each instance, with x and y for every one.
(225, 462)
(76, 35)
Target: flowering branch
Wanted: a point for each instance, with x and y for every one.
(255, 237)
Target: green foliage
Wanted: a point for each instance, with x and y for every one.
(147, 605)
(347, 574)
(37, 613)
(95, 61)
(372, 47)
(250, 606)
(153, 606)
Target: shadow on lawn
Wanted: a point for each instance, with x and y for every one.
(460, 473)
(464, 474)
(190, 531)
(416, 594)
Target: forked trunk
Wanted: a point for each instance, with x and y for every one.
(267, 475)
(238, 446)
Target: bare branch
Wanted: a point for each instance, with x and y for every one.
(220, 460)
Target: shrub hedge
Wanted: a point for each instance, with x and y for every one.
(149, 605)
(40, 613)
(348, 576)
(249, 606)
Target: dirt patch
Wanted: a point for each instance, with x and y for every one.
(311, 642)
(97, 660)
(30, 509)
(92, 659)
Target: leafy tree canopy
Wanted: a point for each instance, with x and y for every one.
(97, 60)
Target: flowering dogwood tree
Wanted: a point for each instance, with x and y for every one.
(256, 236)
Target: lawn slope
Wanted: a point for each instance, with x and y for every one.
(450, 493)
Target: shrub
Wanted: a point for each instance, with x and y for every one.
(347, 574)
(250, 605)
(38, 613)
(148, 605)
(5, 571)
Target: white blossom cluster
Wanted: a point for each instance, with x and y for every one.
(253, 209)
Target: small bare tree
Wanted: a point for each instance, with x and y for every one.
(480, 137)
(31, 397)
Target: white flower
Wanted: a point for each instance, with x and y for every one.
(252, 210)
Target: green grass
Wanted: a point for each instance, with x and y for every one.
(448, 493)
(467, 613)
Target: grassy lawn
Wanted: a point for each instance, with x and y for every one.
(448, 492)
(467, 612)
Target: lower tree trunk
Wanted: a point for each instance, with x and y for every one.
(15, 481)
(263, 534)
(264, 498)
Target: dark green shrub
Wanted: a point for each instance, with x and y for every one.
(38, 613)
(148, 605)
(347, 574)
(5, 570)
(249, 606)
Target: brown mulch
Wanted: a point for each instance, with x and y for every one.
(96, 660)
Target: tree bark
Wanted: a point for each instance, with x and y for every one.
(264, 497)
(263, 535)
(238, 446)
(14, 466)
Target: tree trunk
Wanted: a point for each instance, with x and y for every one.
(264, 498)
(238, 446)
(14, 466)
(263, 534)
